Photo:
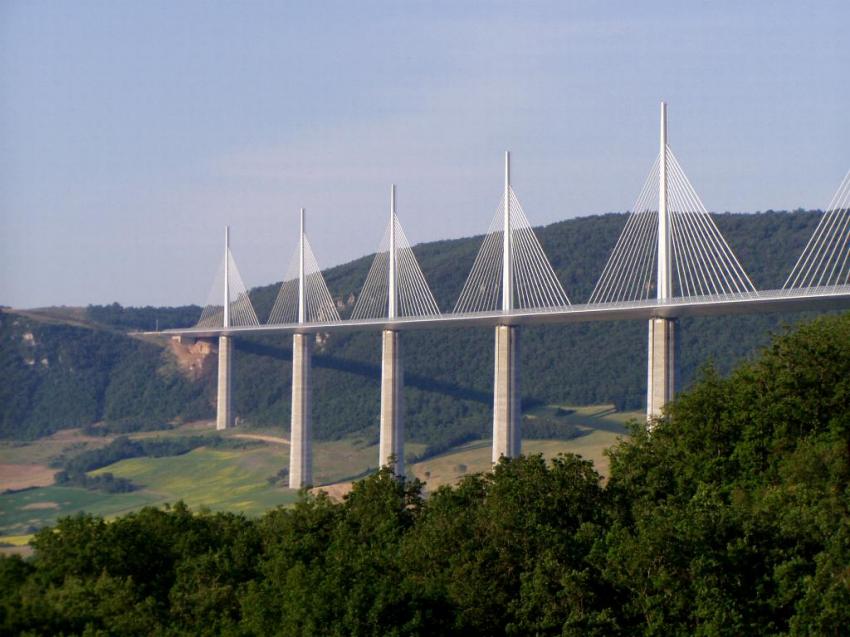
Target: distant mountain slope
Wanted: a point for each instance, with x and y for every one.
(57, 375)
(448, 373)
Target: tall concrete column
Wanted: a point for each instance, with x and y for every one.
(224, 404)
(392, 403)
(660, 366)
(506, 395)
(659, 379)
(300, 436)
(506, 399)
(224, 400)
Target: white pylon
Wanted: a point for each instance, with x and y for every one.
(507, 261)
(392, 309)
(302, 290)
(664, 284)
(226, 319)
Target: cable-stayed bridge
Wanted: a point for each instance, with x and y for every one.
(670, 261)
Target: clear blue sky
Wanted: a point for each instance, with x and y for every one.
(132, 132)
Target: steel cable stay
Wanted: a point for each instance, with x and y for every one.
(839, 245)
(813, 251)
(624, 275)
(702, 262)
(543, 288)
(687, 242)
(372, 300)
(844, 247)
(481, 289)
(241, 312)
(413, 283)
(825, 256)
(414, 296)
(319, 305)
(803, 266)
(534, 282)
(726, 263)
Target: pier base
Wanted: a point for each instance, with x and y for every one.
(659, 382)
(300, 434)
(391, 448)
(507, 440)
(224, 400)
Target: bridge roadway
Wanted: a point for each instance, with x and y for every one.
(506, 391)
(808, 299)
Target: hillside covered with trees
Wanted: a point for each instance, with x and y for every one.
(63, 375)
(731, 518)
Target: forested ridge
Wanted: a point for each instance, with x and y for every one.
(731, 518)
(68, 375)
(58, 375)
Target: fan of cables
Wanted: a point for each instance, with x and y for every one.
(319, 306)
(825, 261)
(534, 283)
(702, 262)
(414, 297)
(240, 311)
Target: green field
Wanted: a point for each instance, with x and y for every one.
(233, 480)
(238, 480)
(210, 478)
(24, 511)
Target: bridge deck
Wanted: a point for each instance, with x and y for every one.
(759, 302)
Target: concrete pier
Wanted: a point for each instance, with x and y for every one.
(300, 435)
(660, 366)
(392, 403)
(659, 378)
(224, 401)
(507, 439)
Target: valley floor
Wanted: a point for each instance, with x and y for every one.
(240, 480)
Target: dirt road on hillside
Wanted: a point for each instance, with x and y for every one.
(274, 439)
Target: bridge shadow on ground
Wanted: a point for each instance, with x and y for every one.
(372, 372)
(604, 418)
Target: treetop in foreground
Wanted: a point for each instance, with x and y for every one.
(731, 518)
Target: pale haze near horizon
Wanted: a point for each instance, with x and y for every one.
(131, 133)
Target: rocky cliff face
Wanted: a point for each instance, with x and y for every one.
(194, 359)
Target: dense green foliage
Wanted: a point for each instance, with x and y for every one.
(57, 376)
(92, 375)
(106, 482)
(731, 518)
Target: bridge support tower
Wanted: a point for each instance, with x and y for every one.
(300, 437)
(660, 366)
(392, 403)
(507, 438)
(300, 430)
(391, 445)
(659, 381)
(224, 404)
(224, 398)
